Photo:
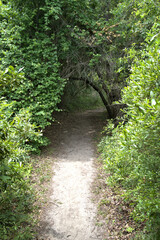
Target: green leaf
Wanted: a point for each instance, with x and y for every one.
(153, 102)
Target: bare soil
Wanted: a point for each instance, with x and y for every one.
(79, 203)
(70, 212)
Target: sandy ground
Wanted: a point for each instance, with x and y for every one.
(71, 213)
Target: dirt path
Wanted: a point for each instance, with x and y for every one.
(71, 212)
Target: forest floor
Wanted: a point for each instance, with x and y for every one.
(79, 205)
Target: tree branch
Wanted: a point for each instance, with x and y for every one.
(99, 92)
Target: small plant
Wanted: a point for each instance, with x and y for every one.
(129, 229)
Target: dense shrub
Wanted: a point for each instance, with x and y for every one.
(16, 196)
(27, 44)
(131, 154)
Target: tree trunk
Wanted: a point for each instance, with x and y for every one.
(102, 97)
(99, 92)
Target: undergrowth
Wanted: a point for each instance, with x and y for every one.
(131, 151)
(16, 194)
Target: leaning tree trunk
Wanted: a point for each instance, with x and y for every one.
(105, 102)
(102, 97)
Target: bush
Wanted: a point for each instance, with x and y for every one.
(16, 130)
(131, 154)
(16, 196)
(31, 48)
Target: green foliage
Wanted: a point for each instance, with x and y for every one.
(16, 196)
(99, 42)
(131, 154)
(28, 44)
(131, 21)
(9, 80)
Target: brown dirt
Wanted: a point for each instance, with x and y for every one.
(80, 205)
(70, 212)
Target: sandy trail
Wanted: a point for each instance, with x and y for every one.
(71, 212)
